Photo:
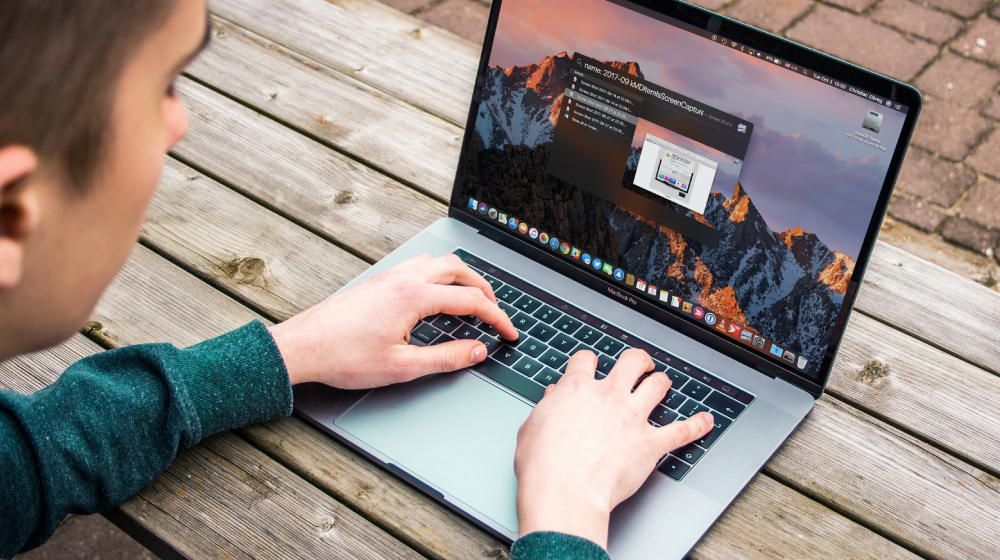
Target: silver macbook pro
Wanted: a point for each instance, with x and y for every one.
(645, 175)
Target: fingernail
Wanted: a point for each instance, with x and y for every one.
(478, 353)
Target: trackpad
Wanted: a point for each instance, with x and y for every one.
(454, 431)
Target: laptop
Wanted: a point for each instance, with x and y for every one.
(740, 290)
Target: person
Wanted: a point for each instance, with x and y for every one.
(87, 114)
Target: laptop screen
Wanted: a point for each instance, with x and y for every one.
(724, 184)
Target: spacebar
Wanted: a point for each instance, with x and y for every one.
(510, 379)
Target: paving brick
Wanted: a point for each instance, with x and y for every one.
(970, 235)
(962, 81)
(983, 204)
(933, 179)
(919, 20)
(867, 44)
(992, 108)
(948, 130)
(986, 157)
(920, 214)
(88, 537)
(407, 6)
(856, 5)
(713, 5)
(462, 17)
(772, 15)
(981, 41)
(964, 8)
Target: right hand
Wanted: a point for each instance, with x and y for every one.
(587, 446)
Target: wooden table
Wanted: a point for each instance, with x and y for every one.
(324, 135)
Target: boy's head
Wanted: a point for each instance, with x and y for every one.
(87, 113)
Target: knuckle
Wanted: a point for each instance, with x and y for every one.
(659, 382)
(450, 359)
(453, 260)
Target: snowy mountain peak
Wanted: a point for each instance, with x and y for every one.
(838, 273)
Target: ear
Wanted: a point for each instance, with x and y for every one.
(19, 211)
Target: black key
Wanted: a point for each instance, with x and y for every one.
(660, 366)
(509, 309)
(563, 343)
(466, 332)
(548, 377)
(523, 321)
(677, 378)
(673, 399)
(553, 358)
(511, 379)
(508, 294)
(598, 376)
(588, 335)
(426, 332)
(486, 328)
(446, 323)
(690, 453)
(476, 270)
(470, 319)
(662, 416)
(691, 407)
(724, 404)
(605, 363)
(674, 467)
(492, 344)
(695, 390)
(542, 332)
(527, 304)
(609, 346)
(532, 347)
(567, 324)
(721, 423)
(546, 314)
(493, 282)
(443, 338)
(528, 367)
(507, 355)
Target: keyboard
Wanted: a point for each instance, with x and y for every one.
(551, 330)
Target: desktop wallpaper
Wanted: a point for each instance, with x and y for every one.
(792, 225)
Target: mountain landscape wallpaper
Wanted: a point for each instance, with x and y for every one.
(791, 226)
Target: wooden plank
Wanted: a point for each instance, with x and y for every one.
(379, 130)
(943, 399)
(235, 245)
(933, 304)
(769, 520)
(372, 43)
(325, 191)
(30, 372)
(154, 301)
(767, 517)
(383, 499)
(916, 494)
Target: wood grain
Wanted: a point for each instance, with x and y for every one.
(347, 202)
(30, 372)
(242, 248)
(914, 493)
(943, 399)
(418, 63)
(376, 129)
(933, 304)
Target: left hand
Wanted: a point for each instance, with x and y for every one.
(359, 338)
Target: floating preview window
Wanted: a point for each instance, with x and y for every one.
(681, 176)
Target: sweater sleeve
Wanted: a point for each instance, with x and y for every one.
(556, 546)
(114, 421)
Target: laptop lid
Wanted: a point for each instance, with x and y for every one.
(726, 182)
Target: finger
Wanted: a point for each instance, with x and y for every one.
(582, 365)
(450, 269)
(679, 434)
(651, 391)
(631, 364)
(464, 300)
(417, 361)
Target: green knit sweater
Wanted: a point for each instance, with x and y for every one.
(113, 422)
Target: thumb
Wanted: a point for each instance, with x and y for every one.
(418, 361)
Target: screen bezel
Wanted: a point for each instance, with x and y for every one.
(753, 38)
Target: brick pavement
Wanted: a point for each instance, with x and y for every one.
(946, 206)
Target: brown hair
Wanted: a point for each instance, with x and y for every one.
(60, 61)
